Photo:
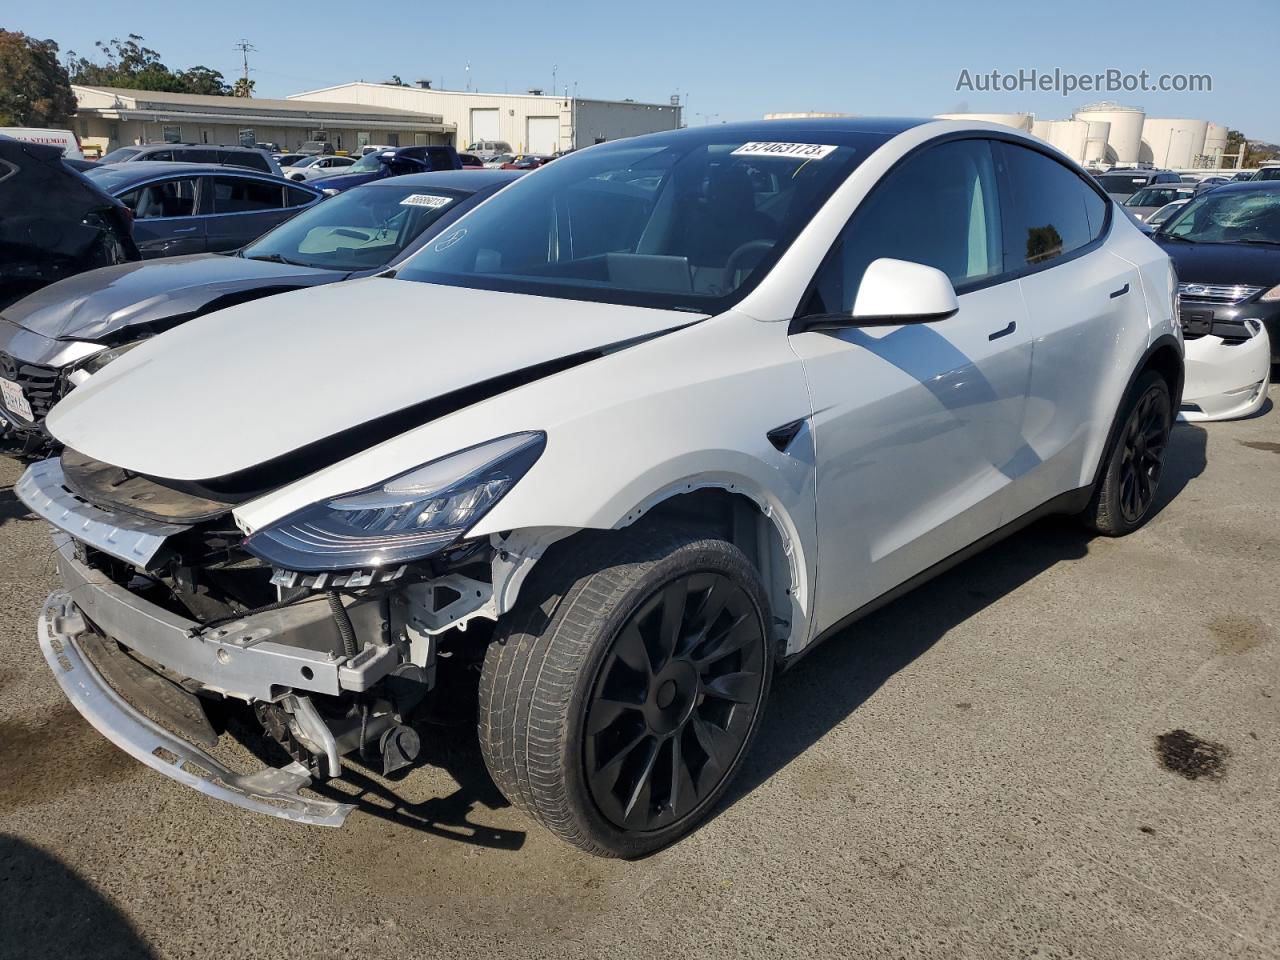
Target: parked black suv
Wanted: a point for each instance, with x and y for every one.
(1122, 184)
(248, 157)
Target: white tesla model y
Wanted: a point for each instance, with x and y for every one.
(630, 437)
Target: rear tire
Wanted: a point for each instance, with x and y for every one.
(1134, 463)
(620, 695)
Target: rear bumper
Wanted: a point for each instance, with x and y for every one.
(270, 790)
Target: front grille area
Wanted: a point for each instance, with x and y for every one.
(1217, 292)
(40, 385)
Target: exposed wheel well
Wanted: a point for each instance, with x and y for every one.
(1166, 362)
(738, 519)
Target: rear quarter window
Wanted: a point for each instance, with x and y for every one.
(246, 159)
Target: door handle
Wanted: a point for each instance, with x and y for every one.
(186, 230)
(1121, 292)
(1013, 325)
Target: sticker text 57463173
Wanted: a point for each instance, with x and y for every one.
(796, 151)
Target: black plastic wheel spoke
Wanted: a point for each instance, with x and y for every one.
(608, 767)
(674, 597)
(730, 639)
(630, 648)
(605, 712)
(738, 687)
(711, 738)
(637, 807)
(683, 792)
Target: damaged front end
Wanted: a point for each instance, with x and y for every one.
(169, 613)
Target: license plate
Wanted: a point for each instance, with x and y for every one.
(14, 400)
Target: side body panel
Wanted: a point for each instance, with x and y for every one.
(1088, 318)
(918, 433)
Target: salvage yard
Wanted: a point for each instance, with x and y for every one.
(981, 769)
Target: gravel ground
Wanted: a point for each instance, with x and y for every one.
(1063, 748)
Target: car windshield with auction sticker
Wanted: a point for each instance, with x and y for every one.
(701, 216)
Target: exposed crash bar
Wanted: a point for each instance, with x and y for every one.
(272, 791)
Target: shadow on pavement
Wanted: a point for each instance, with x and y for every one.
(48, 910)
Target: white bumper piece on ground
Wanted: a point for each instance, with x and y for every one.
(1226, 379)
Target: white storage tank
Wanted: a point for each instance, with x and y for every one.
(1095, 144)
(1070, 136)
(1173, 143)
(1040, 128)
(1215, 145)
(1124, 135)
(1019, 121)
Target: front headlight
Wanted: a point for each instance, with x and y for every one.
(1272, 295)
(409, 517)
(103, 357)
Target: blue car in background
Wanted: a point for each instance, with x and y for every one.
(394, 162)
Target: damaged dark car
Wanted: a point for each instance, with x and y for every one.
(57, 338)
(53, 221)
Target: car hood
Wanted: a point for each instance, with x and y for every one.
(254, 383)
(1226, 263)
(98, 303)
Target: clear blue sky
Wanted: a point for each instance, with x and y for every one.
(732, 60)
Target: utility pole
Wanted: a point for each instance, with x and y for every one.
(245, 47)
(554, 68)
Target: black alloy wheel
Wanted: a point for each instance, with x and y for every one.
(674, 702)
(1146, 439)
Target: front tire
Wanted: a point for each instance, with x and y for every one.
(620, 696)
(1134, 464)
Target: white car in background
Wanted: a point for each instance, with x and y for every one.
(1165, 212)
(312, 168)
(630, 436)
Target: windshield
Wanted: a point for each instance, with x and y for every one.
(688, 220)
(366, 164)
(1229, 216)
(1165, 212)
(361, 229)
(305, 161)
(1157, 196)
(120, 155)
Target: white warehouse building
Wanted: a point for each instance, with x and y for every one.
(530, 122)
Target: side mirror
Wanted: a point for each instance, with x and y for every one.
(898, 291)
(893, 292)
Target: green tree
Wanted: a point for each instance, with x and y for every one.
(34, 88)
(127, 63)
(201, 79)
(395, 81)
(242, 87)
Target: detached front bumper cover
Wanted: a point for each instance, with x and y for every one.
(273, 791)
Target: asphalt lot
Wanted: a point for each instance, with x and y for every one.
(974, 771)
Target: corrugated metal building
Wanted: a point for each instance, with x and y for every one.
(529, 122)
(109, 117)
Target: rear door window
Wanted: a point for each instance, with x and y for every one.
(167, 198)
(1052, 211)
(163, 155)
(245, 195)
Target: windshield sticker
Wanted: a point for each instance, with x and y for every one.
(798, 151)
(426, 200)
